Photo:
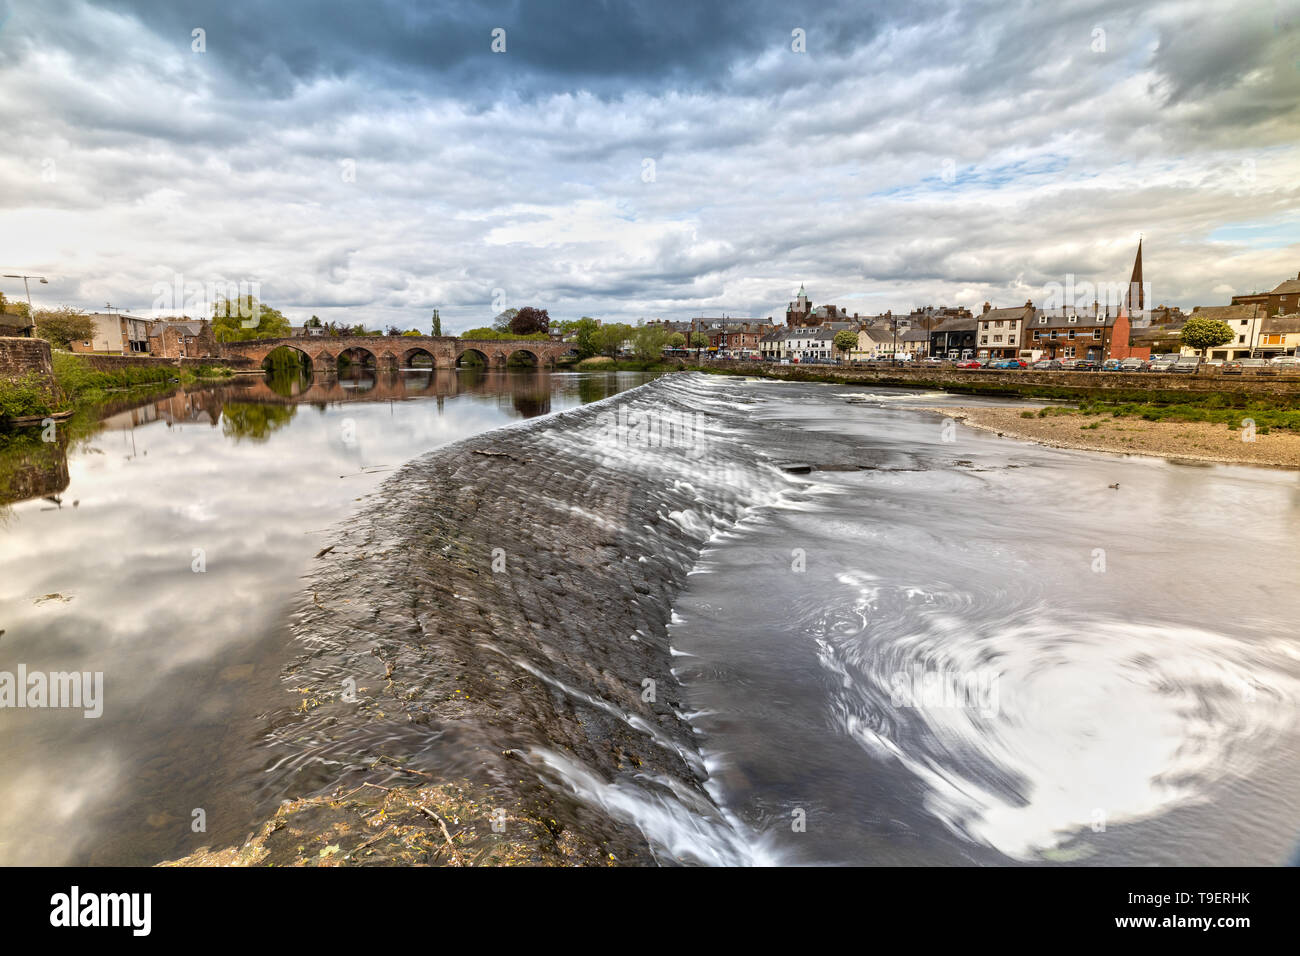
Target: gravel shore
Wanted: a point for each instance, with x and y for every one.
(1190, 441)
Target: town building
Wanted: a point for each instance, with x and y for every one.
(1282, 300)
(116, 333)
(1278, 335)
(954, 337)
(1244, 320)
(811, 345)
(731, 341)
(1002, 331)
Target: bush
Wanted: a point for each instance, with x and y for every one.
(29, 395)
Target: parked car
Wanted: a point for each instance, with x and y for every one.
(1133, 365)
(1258, 366)
(1162, 363)
(1231, 367)
(1111, 365)
(1286, 362)
(1047, 365)
(970, 363)
(1086, 365)
(1007, 363)
(1186, 364)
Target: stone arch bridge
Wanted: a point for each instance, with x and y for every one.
(399, 351)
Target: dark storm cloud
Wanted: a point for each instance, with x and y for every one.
(444, 48)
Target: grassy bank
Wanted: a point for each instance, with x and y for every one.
(602, 364)
(81, 381)
(78, 383)
(1214, 408)
(29, 395)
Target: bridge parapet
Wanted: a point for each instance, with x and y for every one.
(391, 351)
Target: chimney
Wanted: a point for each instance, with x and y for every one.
(986, 309)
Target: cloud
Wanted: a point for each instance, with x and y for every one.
(369, 162)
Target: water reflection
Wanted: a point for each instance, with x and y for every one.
(196, 513)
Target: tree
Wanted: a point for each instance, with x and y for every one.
(699, 341)
(1202, 334)
(437, 324)
(502, 321)
(63, 326)
(245, 318)
(676, 341)
(648, 342)
(610, 338)
(846, 341)
(312, 323)
(529, 320)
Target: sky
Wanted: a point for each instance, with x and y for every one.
(370, 162)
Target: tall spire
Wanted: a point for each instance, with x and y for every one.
(1136, 280)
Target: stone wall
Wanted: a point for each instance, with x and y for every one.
(114, 363)
(18, 356)
(1010, 381)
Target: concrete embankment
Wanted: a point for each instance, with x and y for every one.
(485, 674)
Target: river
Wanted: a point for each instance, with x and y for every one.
(898, 640)
(163, 550)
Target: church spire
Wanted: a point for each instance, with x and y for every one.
(1135, 283)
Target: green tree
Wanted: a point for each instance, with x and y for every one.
(502, 320)
(312, 323)
(699, 341)
(648, 342)
(63, 326)
(845, 341)
(585, 332)
(245, 318)
(1202, 334)
(437, 323)
(677, 340)
(610, 338)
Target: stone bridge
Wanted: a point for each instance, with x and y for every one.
(400, 351)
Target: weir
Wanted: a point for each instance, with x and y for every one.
(495, 621)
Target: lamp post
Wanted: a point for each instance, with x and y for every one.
(31, 314)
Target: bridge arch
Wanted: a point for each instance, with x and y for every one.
(284, 358)
(357, 356)
(418, 357)
(524, 357)
(471, 357)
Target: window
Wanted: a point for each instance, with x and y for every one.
(1042, 320)
(1074, 318)
(1096, 333)
(1069, 351)
(1241, 339)
(1071, 334)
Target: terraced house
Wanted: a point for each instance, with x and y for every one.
(1002, 331)
(1244, 320)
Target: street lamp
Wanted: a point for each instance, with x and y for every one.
(31, 315)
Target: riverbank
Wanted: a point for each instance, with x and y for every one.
(77, 382)
(1133, 435)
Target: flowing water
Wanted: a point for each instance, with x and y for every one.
(899, 640)
(162, 547)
